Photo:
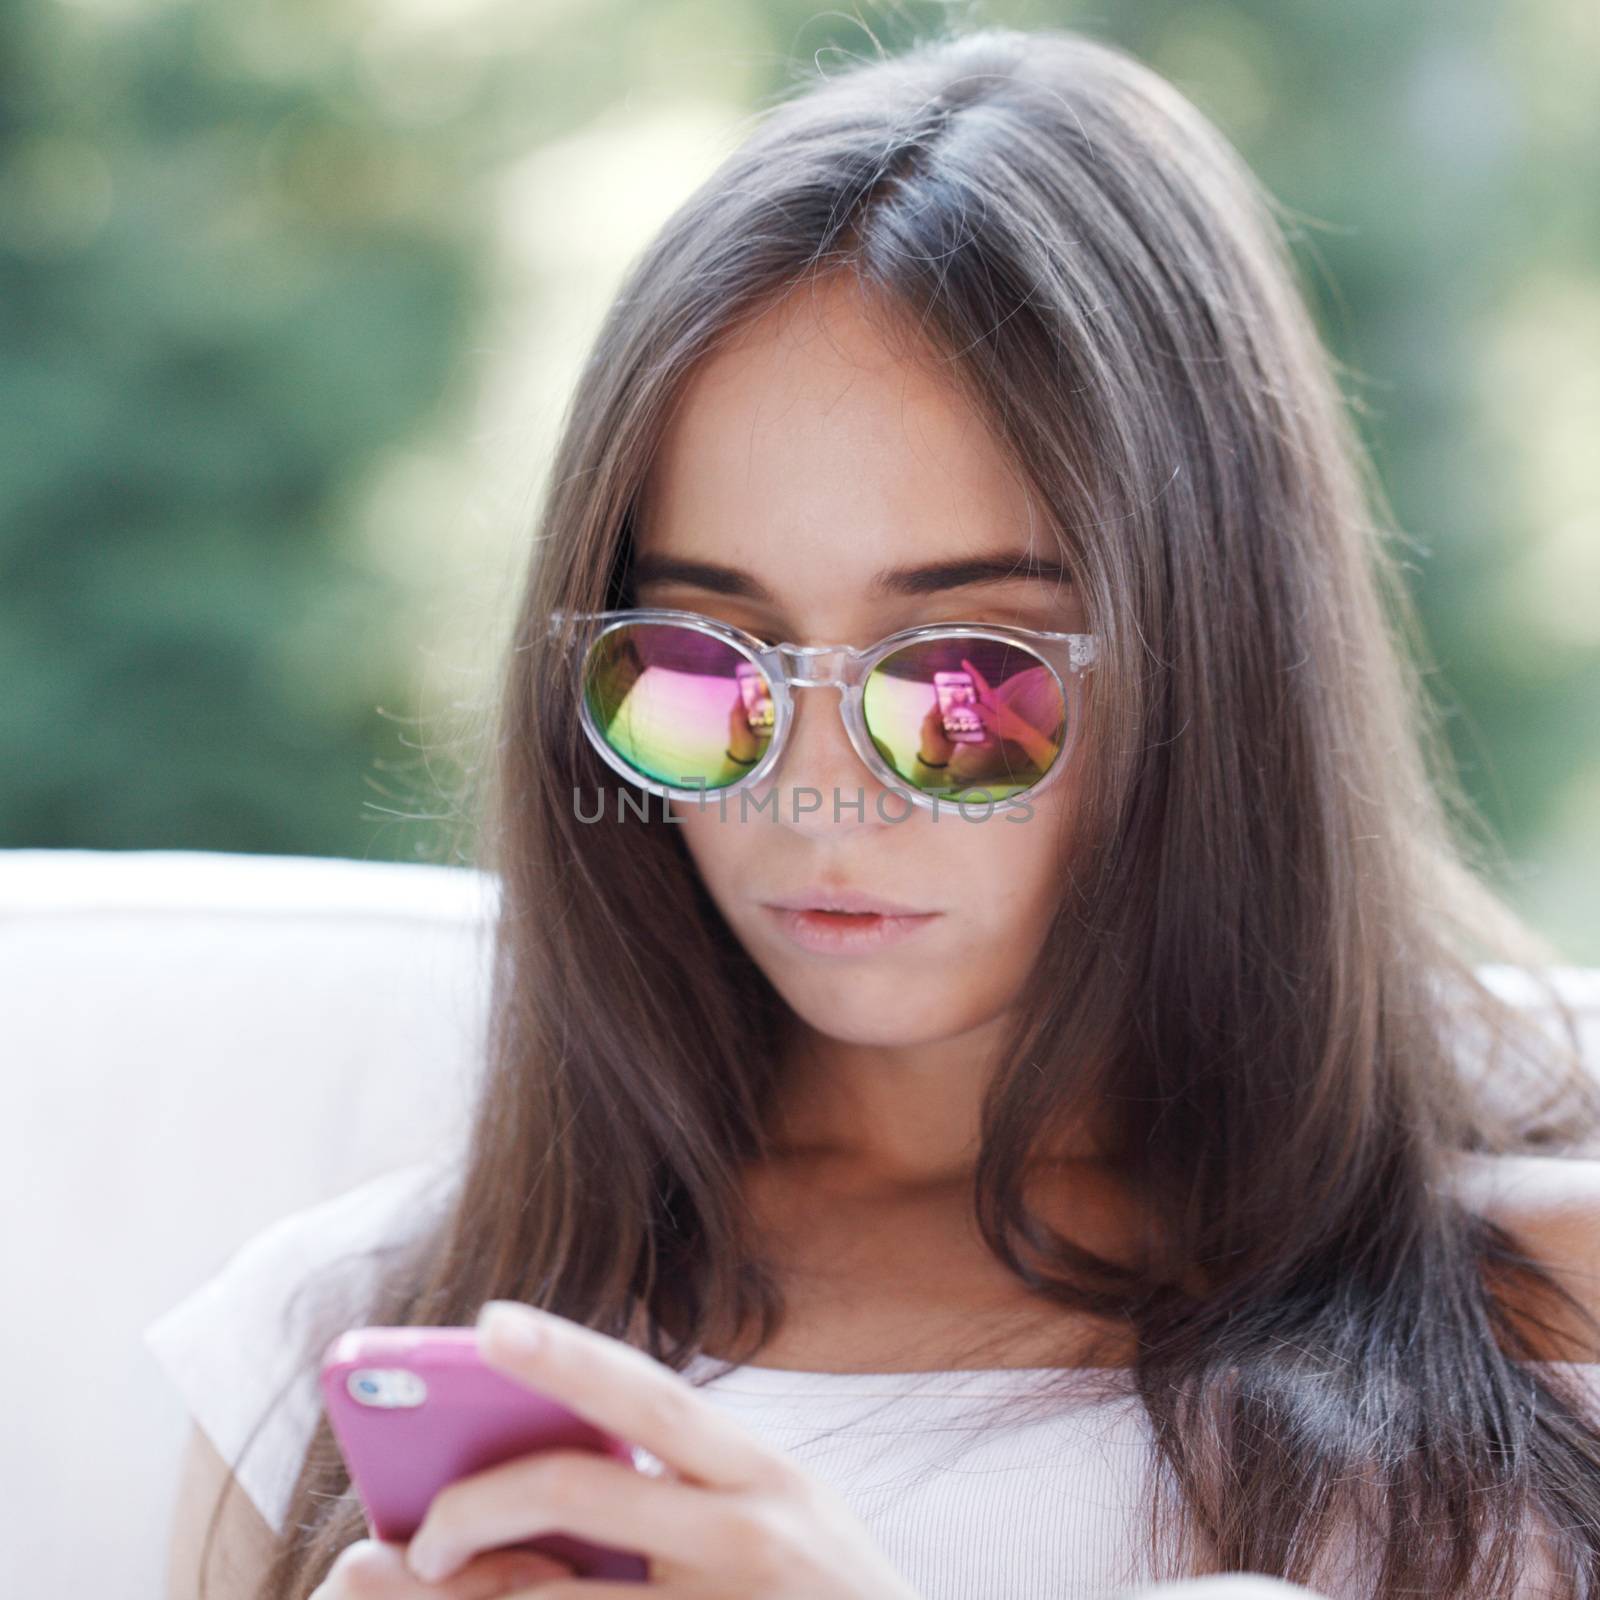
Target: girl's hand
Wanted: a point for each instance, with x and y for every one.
(732, 1516)
(935, 744)
(743, 740)
(1001, 720)
(375, 1569)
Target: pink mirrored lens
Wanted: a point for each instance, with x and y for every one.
(970, 718)
(678, 705)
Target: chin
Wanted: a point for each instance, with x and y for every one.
(877, 1011)
(866, 1032)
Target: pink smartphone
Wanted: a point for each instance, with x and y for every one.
(416, 1408)
(759, 710)
(958, 698)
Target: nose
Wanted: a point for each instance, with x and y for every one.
(823, 787)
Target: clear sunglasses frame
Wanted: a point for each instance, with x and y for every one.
(788, 667)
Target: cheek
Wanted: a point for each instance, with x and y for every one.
(1005, 878)
(719, 849)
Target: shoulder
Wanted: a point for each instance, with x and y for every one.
(271, 1269)
(228, 1558)
(1551, 1206)
(235, 1347)
(372, 1215)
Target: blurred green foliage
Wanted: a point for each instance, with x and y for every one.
(213, 317)
(243, 262)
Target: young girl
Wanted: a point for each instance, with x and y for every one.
(991, 1067)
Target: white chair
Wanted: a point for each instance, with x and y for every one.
(199, 1044)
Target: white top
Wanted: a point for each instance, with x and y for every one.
(963, 1503)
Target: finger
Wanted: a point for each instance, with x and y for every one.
(372, 1568)
(496, 1573)
(573, 1492)
(376, 1569)
(589, 1589)
(628, 1393)
(977, 677)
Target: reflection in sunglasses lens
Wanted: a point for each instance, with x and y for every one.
(964, 718)
(673, 703)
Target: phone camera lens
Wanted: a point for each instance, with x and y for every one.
(387, 1387)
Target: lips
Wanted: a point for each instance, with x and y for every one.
(824, 920)
(855, 934)
(855, 901)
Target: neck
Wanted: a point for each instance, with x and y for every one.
(890, 1117)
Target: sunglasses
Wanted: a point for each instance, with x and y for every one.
(684, 705)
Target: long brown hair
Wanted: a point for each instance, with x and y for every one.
(1266, 971)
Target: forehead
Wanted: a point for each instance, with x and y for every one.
(813, 449)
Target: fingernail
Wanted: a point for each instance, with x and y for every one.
(512, 1323)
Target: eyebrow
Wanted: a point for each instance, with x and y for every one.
(933, 578)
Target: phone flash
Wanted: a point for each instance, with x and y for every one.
(386, 1387)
